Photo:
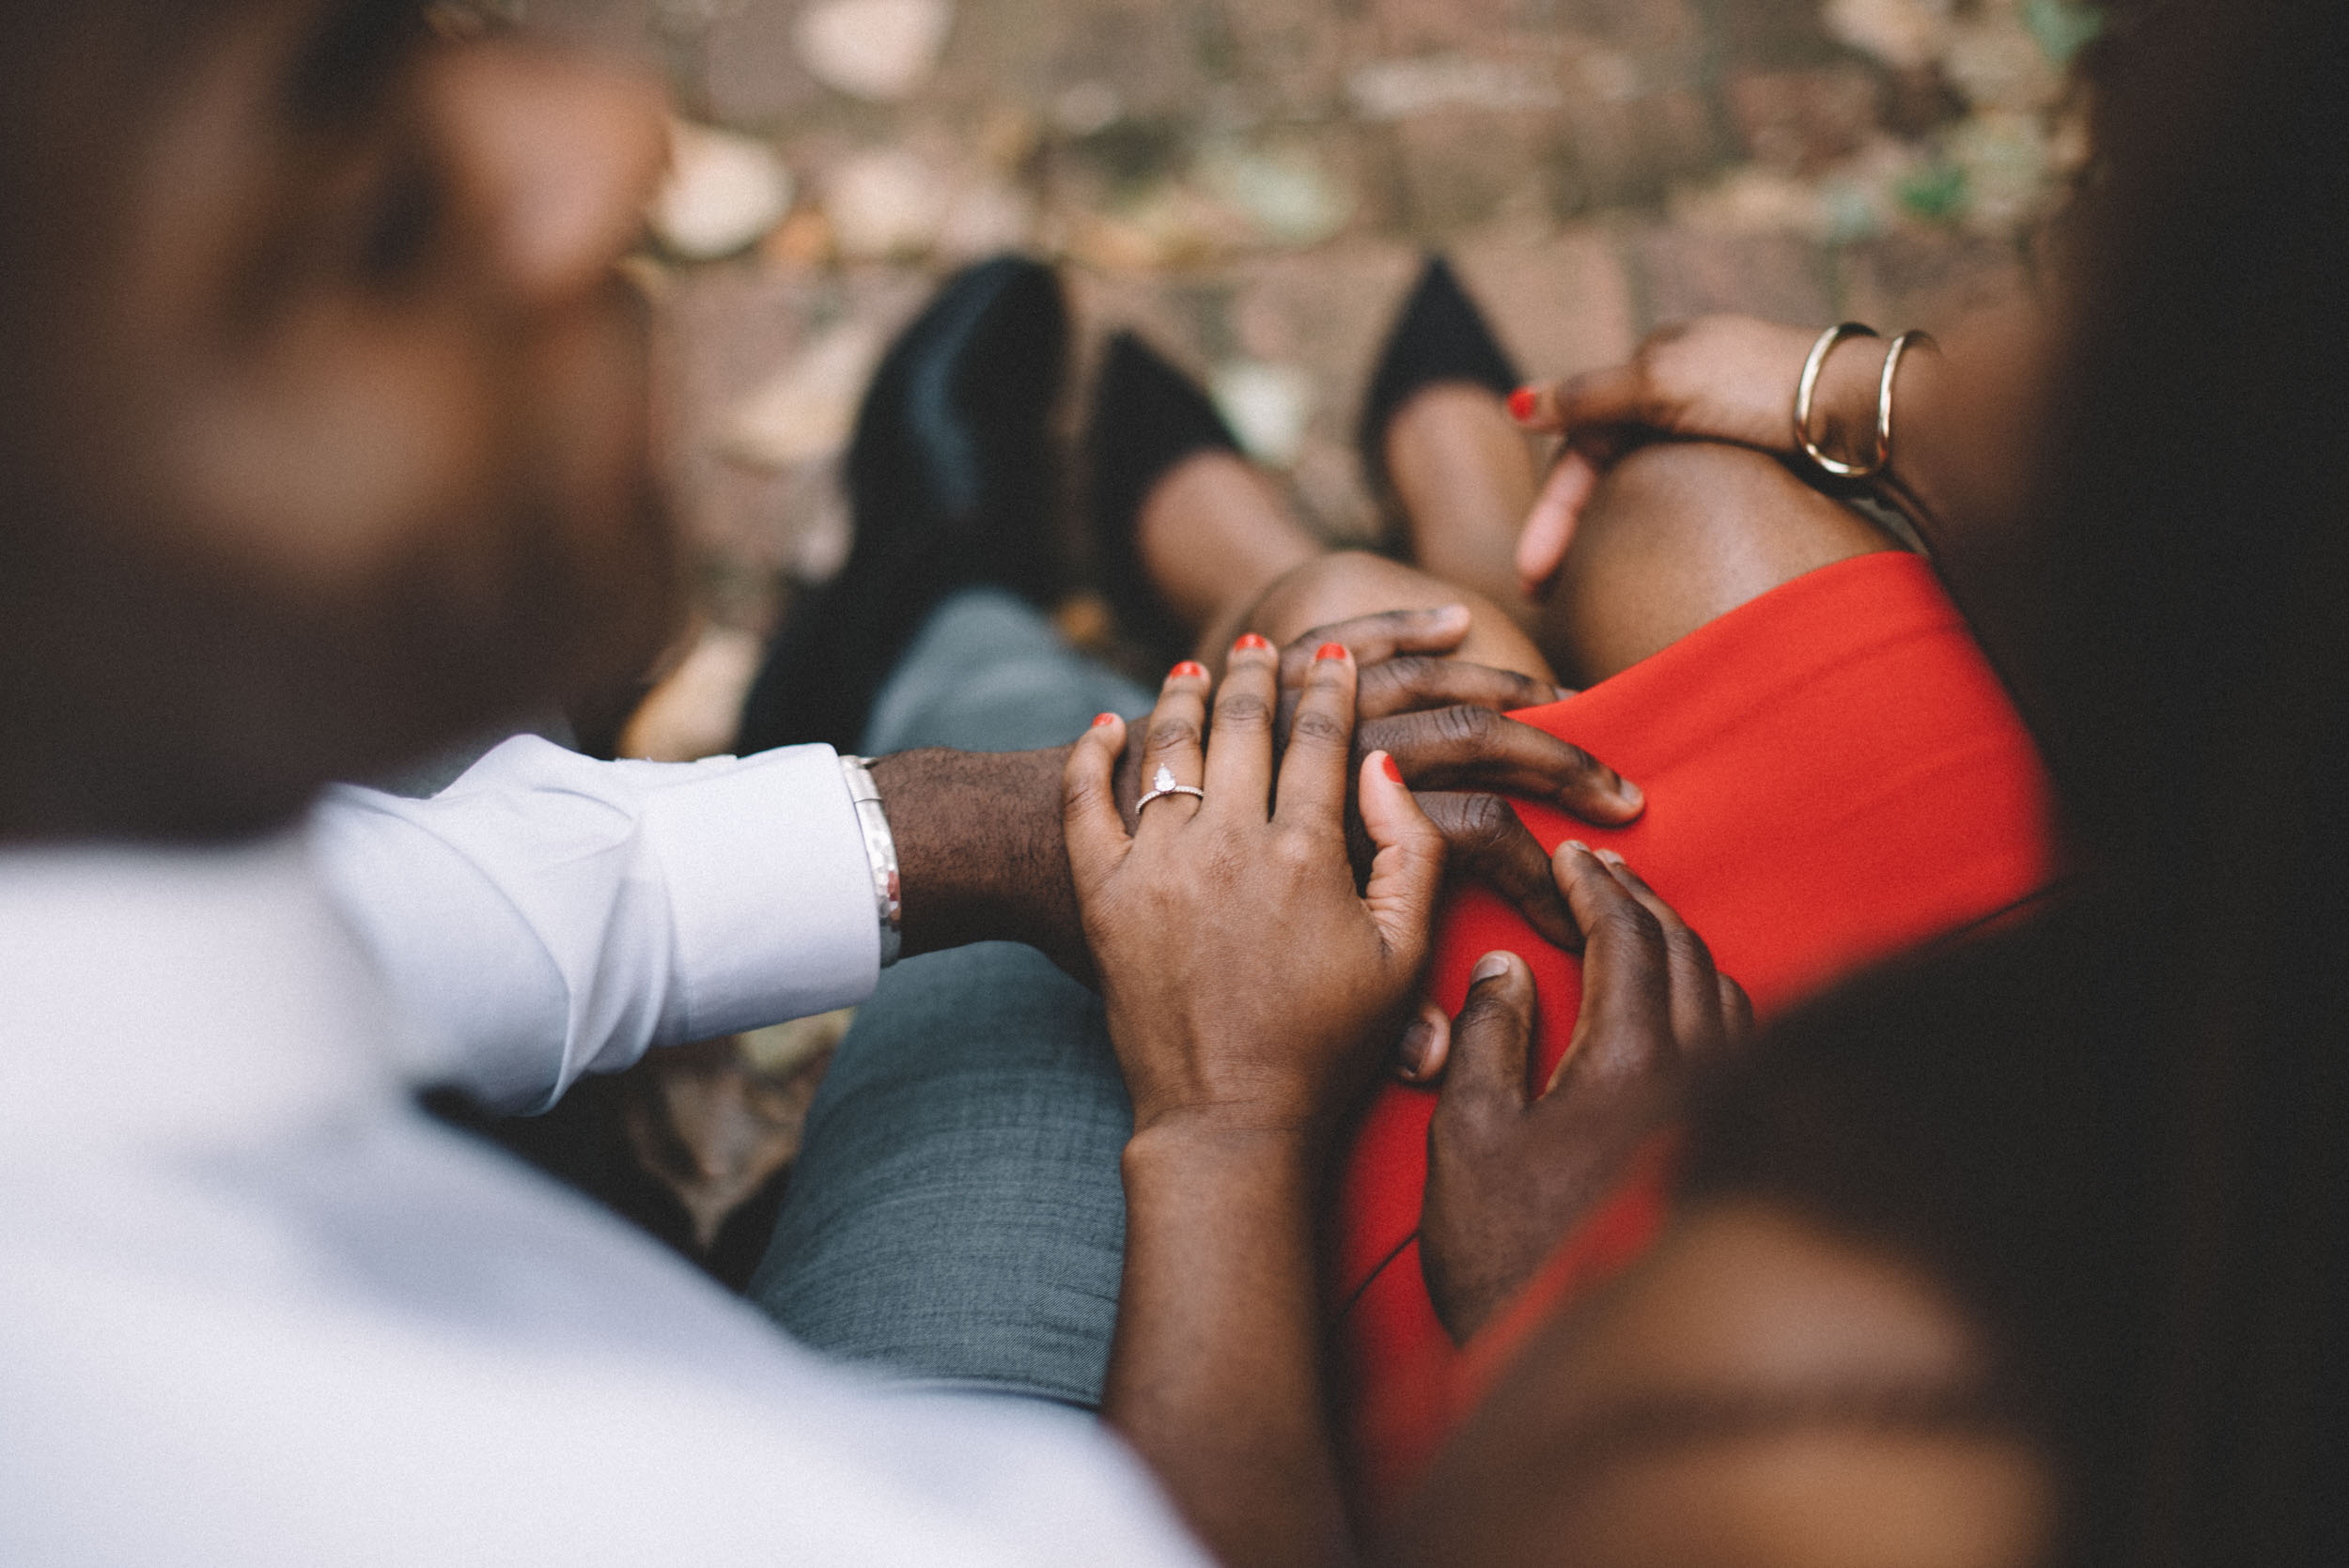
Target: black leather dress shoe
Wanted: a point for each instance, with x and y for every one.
(953, 481)
(1438, 336)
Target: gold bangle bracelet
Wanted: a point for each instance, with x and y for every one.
(1892, 353)
(1807, 389)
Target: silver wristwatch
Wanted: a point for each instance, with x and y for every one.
(880, 847)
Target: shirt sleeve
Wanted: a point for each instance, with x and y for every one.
(549, 915)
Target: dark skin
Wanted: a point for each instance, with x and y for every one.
(981, 851)
(1249, 988)
(1240, 1061)
(1505, 1157)
(1678, 505)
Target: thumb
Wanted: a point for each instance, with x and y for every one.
(1408, 869)
(1098, 840)
(1492, 1040)
(1549, 526)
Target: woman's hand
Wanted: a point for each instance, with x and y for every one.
(1509, 1171)
(1249, 984)
(1718, 378)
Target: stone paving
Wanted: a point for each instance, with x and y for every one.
(1252, 181)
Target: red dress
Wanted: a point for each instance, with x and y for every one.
(1833, 775)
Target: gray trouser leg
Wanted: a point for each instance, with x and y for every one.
(956, 1214)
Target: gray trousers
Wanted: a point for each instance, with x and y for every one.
(956, 1216)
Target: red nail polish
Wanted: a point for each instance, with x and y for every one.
(1393, 771)
(1329, 650)
(1521, 403)
(1189, 669)
(1252, 643)
(1104, 719)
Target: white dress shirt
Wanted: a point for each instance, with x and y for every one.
(255, 1309)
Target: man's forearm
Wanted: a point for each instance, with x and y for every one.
(1216, 1373)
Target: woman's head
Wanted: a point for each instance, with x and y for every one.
(2123, 1137)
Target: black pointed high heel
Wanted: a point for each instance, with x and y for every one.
(1145, 417)
(1438, 336)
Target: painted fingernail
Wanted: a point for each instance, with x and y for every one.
(1521, 403)
(1329, 650)
(1189, 669)
(1386, 764)
(1101, 719)
(1492, 966)
(1252, 643)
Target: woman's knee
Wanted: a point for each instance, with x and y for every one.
(1680, 532)
(1346, 585)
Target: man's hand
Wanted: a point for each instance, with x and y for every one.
(1509, 1171)
(1446, 724)
(980, 851)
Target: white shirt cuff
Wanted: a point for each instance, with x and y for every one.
(771, 892)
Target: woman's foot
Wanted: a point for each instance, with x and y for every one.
(1188, 531)
(1438, 446)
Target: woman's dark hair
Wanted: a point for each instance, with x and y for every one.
(2123, 1132)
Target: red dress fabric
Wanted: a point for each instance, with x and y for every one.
(1833, 775)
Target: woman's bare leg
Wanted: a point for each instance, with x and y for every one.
(1227, 556)
(1344, 584)
(1461, 470)
(1214, 533)
(1676, 535)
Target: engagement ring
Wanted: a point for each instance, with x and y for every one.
(1164, 784)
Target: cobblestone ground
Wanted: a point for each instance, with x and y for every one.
(1251, 182)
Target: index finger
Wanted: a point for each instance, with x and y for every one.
(1414, 682)
(1696, 1002)
(1615, 395)
(1626, 997)
(1371, 637)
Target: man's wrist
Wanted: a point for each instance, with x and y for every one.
(980, 852)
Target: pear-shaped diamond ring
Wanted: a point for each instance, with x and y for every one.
(1164, 784)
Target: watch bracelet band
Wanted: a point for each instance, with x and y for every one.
(880, 847)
